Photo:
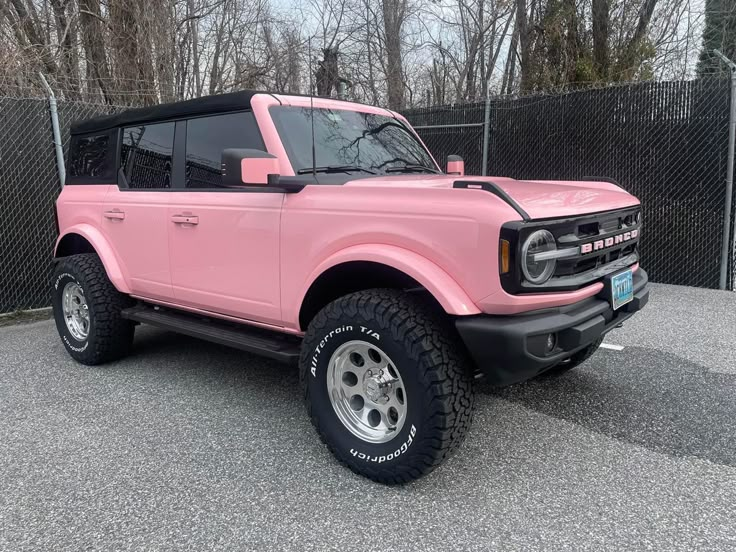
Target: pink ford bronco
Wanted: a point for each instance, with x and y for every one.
(323, 232)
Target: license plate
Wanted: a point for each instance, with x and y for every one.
(622, 288)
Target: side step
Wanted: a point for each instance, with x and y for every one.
(284, 348)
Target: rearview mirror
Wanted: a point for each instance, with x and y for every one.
(455, 165)
(249, 167)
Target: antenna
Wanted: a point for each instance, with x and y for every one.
(311, 110)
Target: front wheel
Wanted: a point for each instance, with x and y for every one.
(387, 383)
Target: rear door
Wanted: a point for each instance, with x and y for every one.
(135, 213)
(224, 243)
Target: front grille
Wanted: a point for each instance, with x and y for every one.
(576, 233)
(580, 268)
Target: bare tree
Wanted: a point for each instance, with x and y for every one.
(396, 53)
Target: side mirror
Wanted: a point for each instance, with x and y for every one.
(455, 165)
(249, 167)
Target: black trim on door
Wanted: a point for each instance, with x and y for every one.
(179, 156)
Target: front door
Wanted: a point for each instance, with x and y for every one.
(225, 252)
(224, 243)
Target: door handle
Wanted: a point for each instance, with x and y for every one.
(185, 219)
(115, 214)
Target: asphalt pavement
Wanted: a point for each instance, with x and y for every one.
(188, 445)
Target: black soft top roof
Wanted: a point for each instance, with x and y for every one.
(188, 108)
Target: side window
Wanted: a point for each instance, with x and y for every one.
(146, 155)
(208, 136)
(90, 158)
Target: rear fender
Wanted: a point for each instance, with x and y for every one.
(103, 250)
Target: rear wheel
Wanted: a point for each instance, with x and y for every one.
(387, 384)
(87, 310)
(575, 360)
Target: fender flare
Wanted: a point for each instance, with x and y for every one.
(440, 284)
(104, 252)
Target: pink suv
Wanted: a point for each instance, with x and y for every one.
(327, 235)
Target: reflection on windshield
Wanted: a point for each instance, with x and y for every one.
(347, 138)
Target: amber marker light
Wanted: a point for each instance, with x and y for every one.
(505, 256)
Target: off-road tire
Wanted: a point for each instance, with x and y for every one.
(432, 361)
(110, 335)
(575, 360)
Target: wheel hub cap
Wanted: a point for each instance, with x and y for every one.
(377, 388)
(76, 312)
(366, 391)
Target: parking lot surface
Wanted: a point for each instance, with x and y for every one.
(188, 445)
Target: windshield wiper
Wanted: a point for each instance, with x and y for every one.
(334, 169)
(409, 167)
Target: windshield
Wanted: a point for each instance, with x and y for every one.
(350, 140)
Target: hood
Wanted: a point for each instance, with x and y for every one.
(539, 198)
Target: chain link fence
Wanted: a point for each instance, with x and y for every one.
(664, 142)
(29, 185)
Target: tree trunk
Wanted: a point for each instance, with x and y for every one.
(571, 41)
(327, 72)
(510, 69)
(523, 38)
(394, 14)
(631, 59)
(194, 37)
(66, 35)
(164, 42)
(144, 30)
(124, 47)
(600, 38)
(94, 46)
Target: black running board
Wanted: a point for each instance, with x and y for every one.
(282, 347)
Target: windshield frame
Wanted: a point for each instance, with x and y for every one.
(292, 157)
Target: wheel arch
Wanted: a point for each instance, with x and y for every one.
(84, 238)
(365, 267)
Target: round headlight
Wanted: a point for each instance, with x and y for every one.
(538, 271)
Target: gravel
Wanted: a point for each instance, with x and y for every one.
(188, 445)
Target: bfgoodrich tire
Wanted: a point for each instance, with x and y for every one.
(387, 384)
(87, 311)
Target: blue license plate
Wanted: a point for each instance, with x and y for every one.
(622, 288)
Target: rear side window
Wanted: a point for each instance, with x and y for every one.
(146, 155)
(208, 136)
(91, 158)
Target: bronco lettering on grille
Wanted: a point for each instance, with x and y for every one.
(618, 239)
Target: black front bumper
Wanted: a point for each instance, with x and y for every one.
(510, 349)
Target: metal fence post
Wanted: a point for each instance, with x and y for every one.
(726, 245)
(486, 135)
(57, 133)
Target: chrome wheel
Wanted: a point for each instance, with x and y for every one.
(76, 312)
(366, 391)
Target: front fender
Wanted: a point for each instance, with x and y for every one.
(103, 250)
(441, 285)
